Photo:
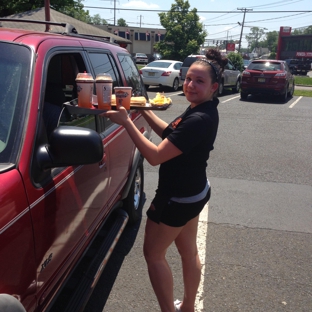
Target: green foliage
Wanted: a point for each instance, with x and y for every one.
(18, 6)
(184, 32)
(272, 56)
(236, 59)
(121, 22)
(98, 20)
(254, 37)
(304, 81)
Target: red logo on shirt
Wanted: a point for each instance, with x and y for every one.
(175, 123)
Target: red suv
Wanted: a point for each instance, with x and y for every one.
(65, 177)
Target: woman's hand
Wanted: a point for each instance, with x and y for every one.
(119, 117)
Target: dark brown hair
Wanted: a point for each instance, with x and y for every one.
(216, 62)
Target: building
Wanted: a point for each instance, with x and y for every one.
(55, 16)
(134, 39)
(142, 39)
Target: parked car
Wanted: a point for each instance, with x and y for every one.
(154, 57)
(230, 77)
(246, 63)
(162, 73)
(299, 66)
(140, 58)
(66, 173)
(267, 77)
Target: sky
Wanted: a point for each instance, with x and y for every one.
(219, 17)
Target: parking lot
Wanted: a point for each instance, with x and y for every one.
(255, 237)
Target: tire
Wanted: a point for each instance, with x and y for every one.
(291, 91)
(221, 88)
(237, 87)
(146, 86)
(283, 97)
(175, 85)
(243, 95)
(133, 203)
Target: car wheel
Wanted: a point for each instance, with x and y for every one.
(146, 86)
(134, 201)
(221, 87)
(243, 95)
(175, 85)
(291, 91)
(237, 87)
(283, 97)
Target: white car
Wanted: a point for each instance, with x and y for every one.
(162, 73)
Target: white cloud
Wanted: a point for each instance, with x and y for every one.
(140, 5)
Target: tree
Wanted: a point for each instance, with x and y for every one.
(13, 7)
(272, 40)
(76, 11)
(97, 20)
(236, 59)
(121, 22)
(254, 37)
(184, 32)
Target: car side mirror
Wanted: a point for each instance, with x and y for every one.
(70, 146)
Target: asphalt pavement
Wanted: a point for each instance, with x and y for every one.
(257, 245)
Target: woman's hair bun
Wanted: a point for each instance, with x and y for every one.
(215, 55)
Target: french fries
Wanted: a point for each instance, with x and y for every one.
(160, 99)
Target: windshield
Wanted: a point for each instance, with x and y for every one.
(159, 64)
(14, 78)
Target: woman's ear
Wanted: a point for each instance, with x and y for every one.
(215, 87)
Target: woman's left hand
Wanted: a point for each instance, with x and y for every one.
(119, 116)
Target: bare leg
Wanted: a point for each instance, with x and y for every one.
(186, 244)
(158, 237)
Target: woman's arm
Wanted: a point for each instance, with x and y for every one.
(155, 155)
(157, 124)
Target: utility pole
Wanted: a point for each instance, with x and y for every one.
(140, 19)
(241, 35)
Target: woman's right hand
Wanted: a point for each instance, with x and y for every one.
(119, 116)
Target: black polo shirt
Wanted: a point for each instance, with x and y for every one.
(194, 133)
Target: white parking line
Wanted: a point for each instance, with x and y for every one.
(202, 246)
(230, 99)
(293, 104)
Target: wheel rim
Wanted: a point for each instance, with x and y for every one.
(137, 189)
(221, 88)
(175, 84)
(237, 86)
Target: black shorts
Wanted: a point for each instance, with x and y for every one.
(174, 214)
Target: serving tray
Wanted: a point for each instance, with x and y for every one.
(73, 108)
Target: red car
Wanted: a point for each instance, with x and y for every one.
(267, 77)
(65, 176)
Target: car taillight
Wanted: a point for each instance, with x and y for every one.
(280, 75)
(166, 73)
(140, 72)
(246, 73)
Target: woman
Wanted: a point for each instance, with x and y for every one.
(183, 188)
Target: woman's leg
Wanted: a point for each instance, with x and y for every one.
(187, 246)
(158, 237)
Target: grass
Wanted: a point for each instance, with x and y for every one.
(304, 81)
(303, 93)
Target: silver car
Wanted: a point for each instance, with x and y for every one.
(230, 78)
(162, 73)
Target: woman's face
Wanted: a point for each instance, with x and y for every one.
(197, 86)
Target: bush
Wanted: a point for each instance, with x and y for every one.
(237, 60)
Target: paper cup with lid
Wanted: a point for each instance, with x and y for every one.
(85, 84)
(104, 85)
(123, 97)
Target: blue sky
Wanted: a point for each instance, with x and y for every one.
(220, 25)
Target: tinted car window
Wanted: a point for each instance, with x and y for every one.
(132, 75)
(15, 64)
(189, 61)
(104, 63)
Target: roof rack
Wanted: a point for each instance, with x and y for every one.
(69, 29)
